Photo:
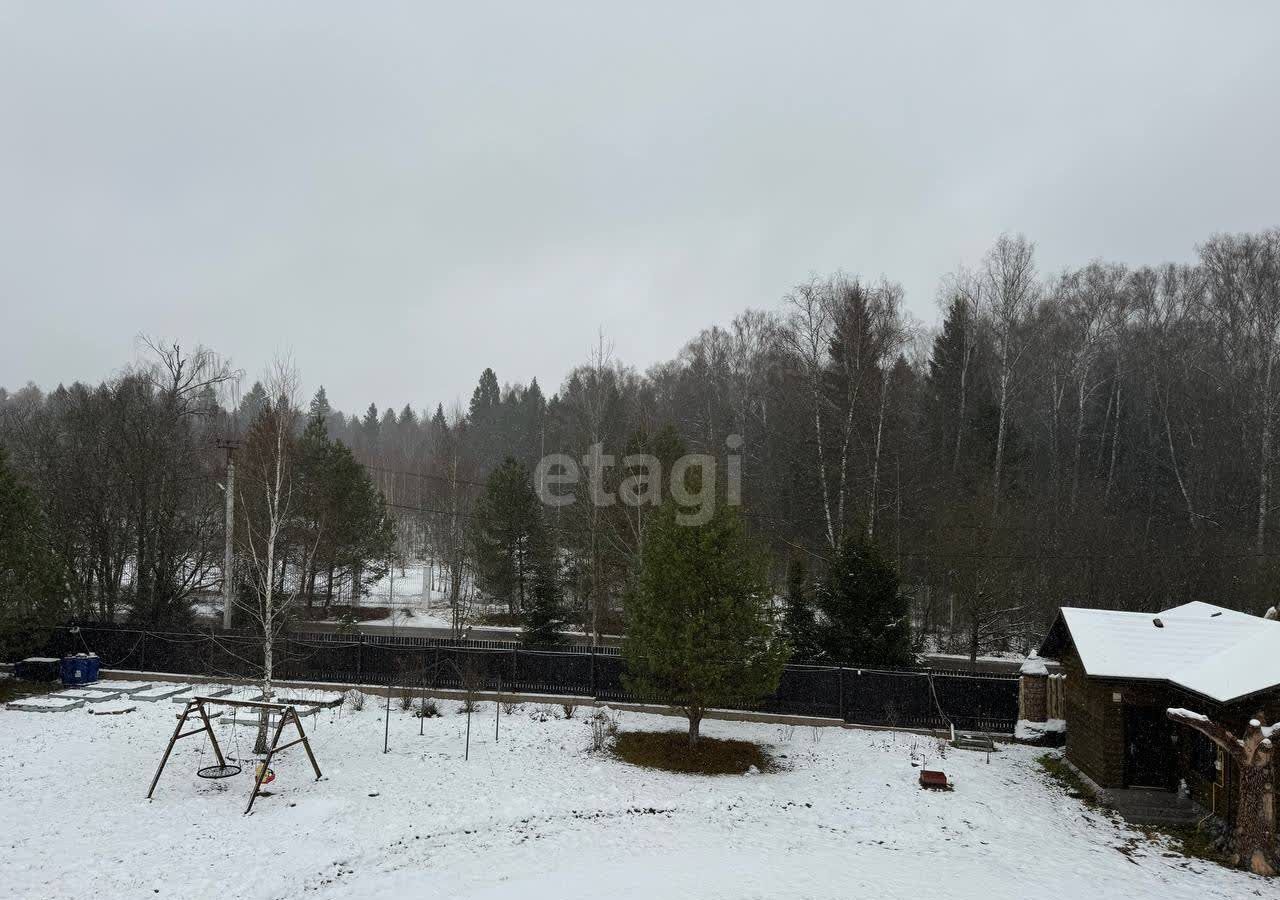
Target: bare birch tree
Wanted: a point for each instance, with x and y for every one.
(1011, 291)
(966, 290)
(267, 504)
(1164, 303)
(890, 334)
(1244, 282)
(807, 338)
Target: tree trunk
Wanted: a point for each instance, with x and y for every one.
(311, 583)
(1264, 462)
(1079, 440)
(1115, 441)
(1177, 472)
(875, 464)
(816, 391)
(1000, 430)
(975, 633)
(964, 378)
(1256, 820)
(695, 725)
(1255, 825)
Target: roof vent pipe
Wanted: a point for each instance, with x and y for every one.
(1157, 623)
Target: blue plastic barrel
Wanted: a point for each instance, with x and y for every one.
(80, 669)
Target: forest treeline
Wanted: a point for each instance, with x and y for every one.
(1101, 436)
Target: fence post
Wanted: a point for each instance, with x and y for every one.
(359, 656)
(515, 668)
(142, 653)
(840, 673)
(593, 673)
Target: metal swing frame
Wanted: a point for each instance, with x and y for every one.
(196, 705)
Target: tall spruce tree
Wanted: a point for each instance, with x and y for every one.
(319, 408)
(30, 583)
(252, 405)
(486, 397)
(799, 626)
(699, 630)
(508, 523)
(543, 616)
(865, 618)
(341, 514)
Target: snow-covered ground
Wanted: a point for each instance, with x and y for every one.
(537, 815)
(413, 596)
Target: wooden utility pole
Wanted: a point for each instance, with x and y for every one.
(228, 557)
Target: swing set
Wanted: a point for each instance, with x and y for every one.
(263, 774)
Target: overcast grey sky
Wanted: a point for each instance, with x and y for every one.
(402, 194)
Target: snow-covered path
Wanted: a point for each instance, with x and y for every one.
(536, 815)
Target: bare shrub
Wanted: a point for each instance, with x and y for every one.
(604, 728)
(511, 706)
(355, 699)
(472, 683)
(406, 701)
(568, 709)
(427, 709)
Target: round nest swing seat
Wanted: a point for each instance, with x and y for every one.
(226, 771)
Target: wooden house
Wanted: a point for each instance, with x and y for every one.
(1125, 670)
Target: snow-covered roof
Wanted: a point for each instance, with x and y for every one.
(1218, 653)
(1034, 665)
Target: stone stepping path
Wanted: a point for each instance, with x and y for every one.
(159, 692)
(112, 708)
(46, 704)
(124, 687)
(88, 695)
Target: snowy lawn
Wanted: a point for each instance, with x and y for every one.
(537, 815)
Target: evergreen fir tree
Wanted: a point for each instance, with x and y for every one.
(798, 624)
(544, 610)
(949, 375)
(319, 408)
(251, 405)
(866, 619)
(340, 512)
(369, 426)
(487, 395)
(698, 622)
(30, 579)
(484, 420)
(508, 519)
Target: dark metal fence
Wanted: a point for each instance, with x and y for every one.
(915, 698)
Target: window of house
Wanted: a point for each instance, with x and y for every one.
(1204, 757)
